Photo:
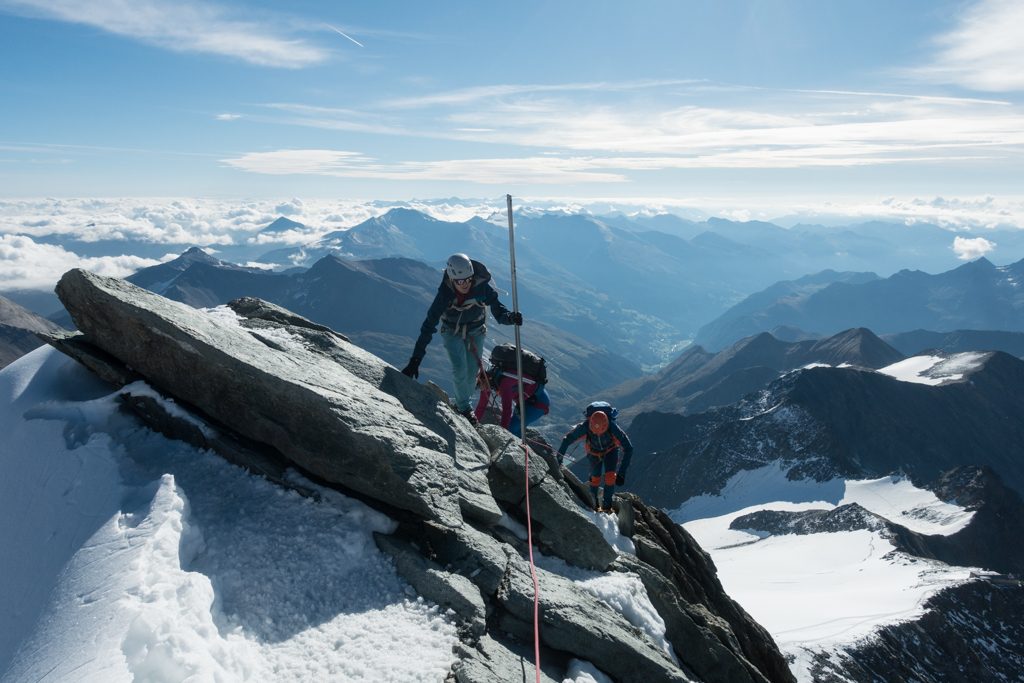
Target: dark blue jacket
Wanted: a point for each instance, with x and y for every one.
(600, 444)
(464, 319)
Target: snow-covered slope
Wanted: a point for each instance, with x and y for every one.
(129, 556)
(177, 564)
(934, 370)
(819, 593)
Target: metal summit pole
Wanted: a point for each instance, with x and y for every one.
(515, 309)
(526, 450)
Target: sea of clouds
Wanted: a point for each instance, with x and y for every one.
(43, 237)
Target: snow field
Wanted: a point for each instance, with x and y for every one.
(934, 370)
(817, 592)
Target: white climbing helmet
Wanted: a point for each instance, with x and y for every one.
(459, 267)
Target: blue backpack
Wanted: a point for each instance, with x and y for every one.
(604, 407)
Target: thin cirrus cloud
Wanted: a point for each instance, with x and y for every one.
(180, 26)
(983, 52)
(567, 142)
(466, 96)
(346, 164)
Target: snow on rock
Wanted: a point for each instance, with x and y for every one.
(622, 591)
(140, 558)
(899, 501)
(894, 498)
(819, 591)
(934, 370)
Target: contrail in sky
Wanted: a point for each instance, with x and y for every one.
(345, 35)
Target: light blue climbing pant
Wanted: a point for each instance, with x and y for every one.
(464, 364)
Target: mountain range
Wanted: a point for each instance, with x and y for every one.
(380, 304)
(698, 379)
(977, 295)
(643, 283)
(825, 422)
(664, 275)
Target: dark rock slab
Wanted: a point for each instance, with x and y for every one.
(444, 588)
(313, 411)
(490, 660)
(561, 525)
(574, 621)
(463, 444)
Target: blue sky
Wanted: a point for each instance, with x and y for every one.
(696, 101)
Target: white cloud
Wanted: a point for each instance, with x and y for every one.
(344, 164)
(184, 26)
(985, 51)
(290, 208)
(228, 117)
(209, 222)
(785, 129)
(26, 264)
(968, 249)
(206, 222)
(491, 92)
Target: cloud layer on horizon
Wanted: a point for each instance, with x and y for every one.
(27, 264)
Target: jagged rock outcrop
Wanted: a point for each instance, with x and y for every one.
(685, 589)
(970, 632)
(314, 411)
(698, 380)
(19, 331)
(272, 390)
(826, 422)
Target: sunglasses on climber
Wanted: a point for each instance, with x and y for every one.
(462, 281)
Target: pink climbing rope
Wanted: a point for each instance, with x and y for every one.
(533, 569)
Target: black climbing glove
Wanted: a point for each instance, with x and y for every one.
(413, 368)
(514, 318)
(620, 479)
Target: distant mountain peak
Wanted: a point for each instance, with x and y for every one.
(980, 264)
(282, 224)
(401, 212)
(196, 254)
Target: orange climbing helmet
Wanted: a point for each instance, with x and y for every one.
(598, 422)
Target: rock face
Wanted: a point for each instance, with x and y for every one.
(839, 422)
(315, 412)
(970, 632)
(271, 390)
(19, 328)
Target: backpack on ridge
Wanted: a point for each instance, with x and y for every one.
(503, 356)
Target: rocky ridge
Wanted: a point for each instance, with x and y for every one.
(273, 391)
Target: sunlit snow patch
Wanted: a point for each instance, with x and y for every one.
(622, 591)
(816, 592)
(899, 501)
(934, 370)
